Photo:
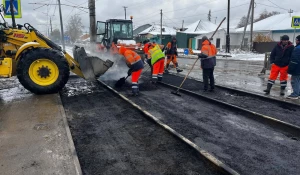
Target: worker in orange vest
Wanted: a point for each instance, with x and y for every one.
(135, 64)
(208, 62)
(171, 55)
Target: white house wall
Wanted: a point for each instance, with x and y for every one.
(276, 36)
(236, 38)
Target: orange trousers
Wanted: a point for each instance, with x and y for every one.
(172, 58)
(158, 70)
(135, 76)
(275, 70)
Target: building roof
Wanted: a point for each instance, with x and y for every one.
(155, 30)
(200, 27)
(276, 22)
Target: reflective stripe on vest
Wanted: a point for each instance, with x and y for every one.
(156, 54)
(132, 57)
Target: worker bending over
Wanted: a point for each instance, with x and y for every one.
(171, 55)
(135, 64)
(157, 61)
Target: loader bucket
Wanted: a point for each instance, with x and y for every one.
(92, 67)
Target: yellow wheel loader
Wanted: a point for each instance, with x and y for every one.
(42, 66)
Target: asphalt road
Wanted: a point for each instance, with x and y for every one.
(111, 137)
(245, 145)
(276, 110)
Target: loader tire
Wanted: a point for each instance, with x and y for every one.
(43, 70)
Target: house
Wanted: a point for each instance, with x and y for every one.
(154, 31)
(274, 27)
(186, 38)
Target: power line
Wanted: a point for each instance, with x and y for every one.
(271, 6)
(60, 4)
(212, 12)
(277, 5)
(197, 5)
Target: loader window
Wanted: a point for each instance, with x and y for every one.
(122, 30)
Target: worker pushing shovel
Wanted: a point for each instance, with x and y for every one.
(208, 59)
(135, 64)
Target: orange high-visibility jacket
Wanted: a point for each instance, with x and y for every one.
(131, 57)
(208, 49)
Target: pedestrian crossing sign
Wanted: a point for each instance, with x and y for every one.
(296, 22)
(16, 8)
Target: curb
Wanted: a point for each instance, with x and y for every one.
(70, 139)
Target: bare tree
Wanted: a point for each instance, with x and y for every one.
(55, 35)
(265, 14)
(74, 27)
(243, 22)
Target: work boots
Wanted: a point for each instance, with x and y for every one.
(282, 91)
(167, 69)
(267, 91)
(178, 69)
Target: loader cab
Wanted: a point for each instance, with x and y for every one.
(114, 29)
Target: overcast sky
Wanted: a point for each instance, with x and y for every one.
(147, 11)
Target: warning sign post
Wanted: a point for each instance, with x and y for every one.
(16, 8)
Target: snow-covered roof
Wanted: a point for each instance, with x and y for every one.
(155, 30)
(200, 27)
(276, 22)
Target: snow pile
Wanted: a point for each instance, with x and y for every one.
(238, 54)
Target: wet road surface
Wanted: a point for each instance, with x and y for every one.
(238, 74)
(113, 138)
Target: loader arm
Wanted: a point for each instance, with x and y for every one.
(74, 66)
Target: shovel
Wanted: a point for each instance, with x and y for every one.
(121, 82)
(177, 91)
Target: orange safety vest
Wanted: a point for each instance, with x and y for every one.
(131, 57)
(208, 49)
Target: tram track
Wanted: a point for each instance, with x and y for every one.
(228, 133)
(281, 110)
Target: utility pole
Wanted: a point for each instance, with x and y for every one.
(92, 21)
(290, 12)
(182, 25)
(251, 31)
(161, 26)
(228, 36)
(125, 10)
(12, 12)
(50, 25)
(246, 24)
(61, 26)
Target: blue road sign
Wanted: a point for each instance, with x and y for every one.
(16, 8)
(296, 22)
